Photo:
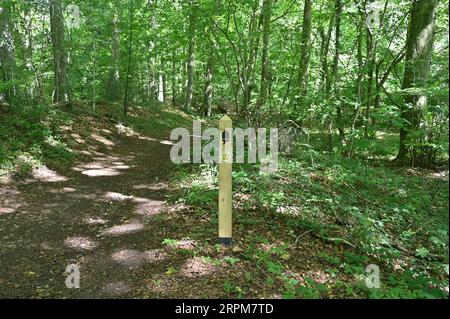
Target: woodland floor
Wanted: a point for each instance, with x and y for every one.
(108, 213)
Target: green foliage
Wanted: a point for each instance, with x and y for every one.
(233, 290)
(170, 242)
(368, 210)
(408, 285)
(32, 137)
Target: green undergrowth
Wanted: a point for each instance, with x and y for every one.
(31, 137)
(394, 218)
(37, 135)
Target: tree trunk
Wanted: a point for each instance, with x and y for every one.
(174, 79)
(250, 59)
(153, 80)
(325, 48)
(7, 58)
(265, 72)
(61, 82)
(419, 46)
(359, 88)
(113, 92)
(336, 79)
(130, 53)
(305, 48)
(370, 67)
(190, 62)
(325, 77)
(209, 89)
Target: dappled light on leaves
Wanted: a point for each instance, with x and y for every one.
(197, 267)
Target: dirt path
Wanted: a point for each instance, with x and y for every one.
(108, 214)
(102, 214)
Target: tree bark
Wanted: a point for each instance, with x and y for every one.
(209, 89)
(370, 69)
(61, 81)
(7, 58)
(336, 79)
(113, 88)
(419, 46)
(174, 78)
(130, 53)
(305, 47)
(265, 68)
(190, 61)
(248, 84)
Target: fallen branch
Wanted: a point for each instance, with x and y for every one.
(361, 197)
(302, 234)
(429, 256)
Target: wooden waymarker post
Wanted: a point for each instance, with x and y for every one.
(225, 182)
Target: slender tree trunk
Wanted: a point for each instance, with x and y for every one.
(164, 87)
(359, 88)
(377, 93)
(336, 79)
(256, 21)
(305, 47)
(361, 72)
(113, 88)
(174, 79)
(370, 68)
(209, 89)
(61, 81)
(153, 80)
(265, 67)
(419, 46)
(29, 57)
(325, 74)
(190, 62)
(325, 48)
(7, 58)
(94, 65)
(130, 53)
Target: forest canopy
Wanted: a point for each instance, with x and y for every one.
(355, 68)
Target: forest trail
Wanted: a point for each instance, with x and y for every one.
(97, 214)
(123, 213)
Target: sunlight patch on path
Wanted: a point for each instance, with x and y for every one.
(113, 196)
(134, 258)
(44, 174)
(80, 243)
(63, 190)
(104, 165)
(101, 172)
(153, 187)
(127, 228)
(9, 200)
(148, 207)
(102, 139)
(94, 221)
